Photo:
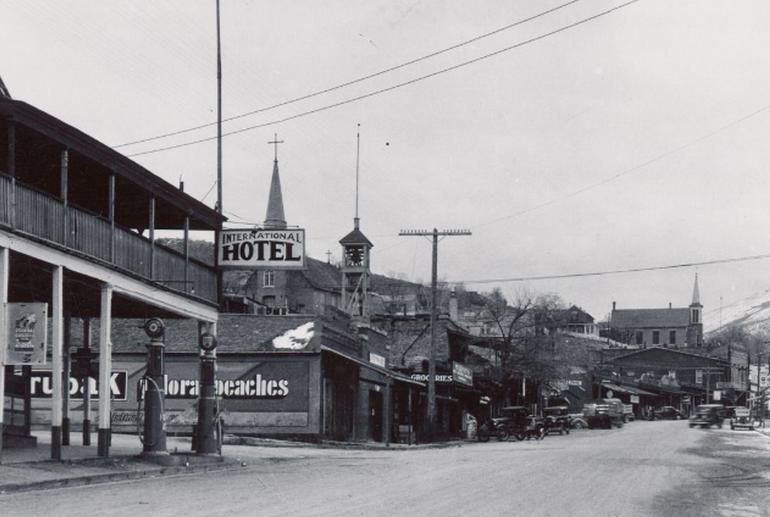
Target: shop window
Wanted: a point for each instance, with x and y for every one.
(656, 337)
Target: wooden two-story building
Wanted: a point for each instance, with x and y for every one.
(78, 222)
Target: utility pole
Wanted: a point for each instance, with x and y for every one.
(433, 313)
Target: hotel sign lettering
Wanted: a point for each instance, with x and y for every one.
(278, 249)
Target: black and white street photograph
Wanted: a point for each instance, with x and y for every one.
(384, 258)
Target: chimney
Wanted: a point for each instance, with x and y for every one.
(669, 305)
(454, 313)
(613, 305)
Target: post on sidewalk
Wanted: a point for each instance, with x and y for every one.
(105, 369)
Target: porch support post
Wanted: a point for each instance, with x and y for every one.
(386, 409)
(66, 369)
(11, 169)
(64, 194)
(187, 254)
(111, 215)
(151, 226)
(57, 370)
(4, 264)
(105, 369)
(87, 386)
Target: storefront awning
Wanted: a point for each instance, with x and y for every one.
(382, 371)
(628, 389)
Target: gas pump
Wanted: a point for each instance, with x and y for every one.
(209, 428)
(154, 436)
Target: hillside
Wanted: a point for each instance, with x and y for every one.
(752, 314)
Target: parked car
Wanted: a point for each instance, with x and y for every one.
(628, 413)
(578, 421)
(707, 415)
(513, 421)
(741, 418)
(605, 413)
(666, 413)
(556, 420)
(535, 428)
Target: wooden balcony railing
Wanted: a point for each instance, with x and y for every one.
(44, 217)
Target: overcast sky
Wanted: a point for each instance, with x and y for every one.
(636, 139)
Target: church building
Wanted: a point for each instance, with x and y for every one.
(675, 327)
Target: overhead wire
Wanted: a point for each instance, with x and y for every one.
(353, 81)
(615, 271)
(395, 86)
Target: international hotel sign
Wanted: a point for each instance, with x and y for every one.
(278, 248)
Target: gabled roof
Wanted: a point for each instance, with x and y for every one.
(356, 237)
(660, 357)
(572, 315)
(650, 318)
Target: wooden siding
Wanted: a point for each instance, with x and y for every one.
(42, 216)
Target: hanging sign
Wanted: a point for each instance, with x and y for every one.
(462, 373)
(276, 249)
(27, 326)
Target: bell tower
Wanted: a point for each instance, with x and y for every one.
(356, 251)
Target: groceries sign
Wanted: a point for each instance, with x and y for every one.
(279, 249)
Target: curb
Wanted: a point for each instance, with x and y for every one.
(260, 442)
(111, 477)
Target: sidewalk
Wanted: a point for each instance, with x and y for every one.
(32, 468)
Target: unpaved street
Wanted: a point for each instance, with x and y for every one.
(646, 468)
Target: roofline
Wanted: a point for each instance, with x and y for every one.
(85, 144)
(670, 350)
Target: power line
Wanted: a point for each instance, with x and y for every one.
(354, 81)
(616, 271)
(395, 86)
(635, 168)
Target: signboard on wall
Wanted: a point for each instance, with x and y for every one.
(41, 385)
(462, 373)
(275, 249)
(27, 333)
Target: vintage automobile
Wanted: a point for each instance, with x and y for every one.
(707, 415)
(513, 421)
(604, 413)
(666, 413)
(742, 418)
(557, 420)
(578, 421)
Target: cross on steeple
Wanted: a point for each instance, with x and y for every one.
(328, 256)
(275, 142)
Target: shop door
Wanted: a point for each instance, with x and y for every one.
(375, 415)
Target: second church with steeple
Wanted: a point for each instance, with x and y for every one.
(668, 327)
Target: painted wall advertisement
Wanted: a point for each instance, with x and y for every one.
(278, 249)
(250, 394)
(41, 385)
(27, 333)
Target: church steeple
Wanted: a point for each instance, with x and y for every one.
(696, 293)
(275, 217)
(695, 328)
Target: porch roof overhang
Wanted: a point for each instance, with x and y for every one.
(630, 390)
(382, 371)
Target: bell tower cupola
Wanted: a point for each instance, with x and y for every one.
(356, 252)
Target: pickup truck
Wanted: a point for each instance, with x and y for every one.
(604, 413)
